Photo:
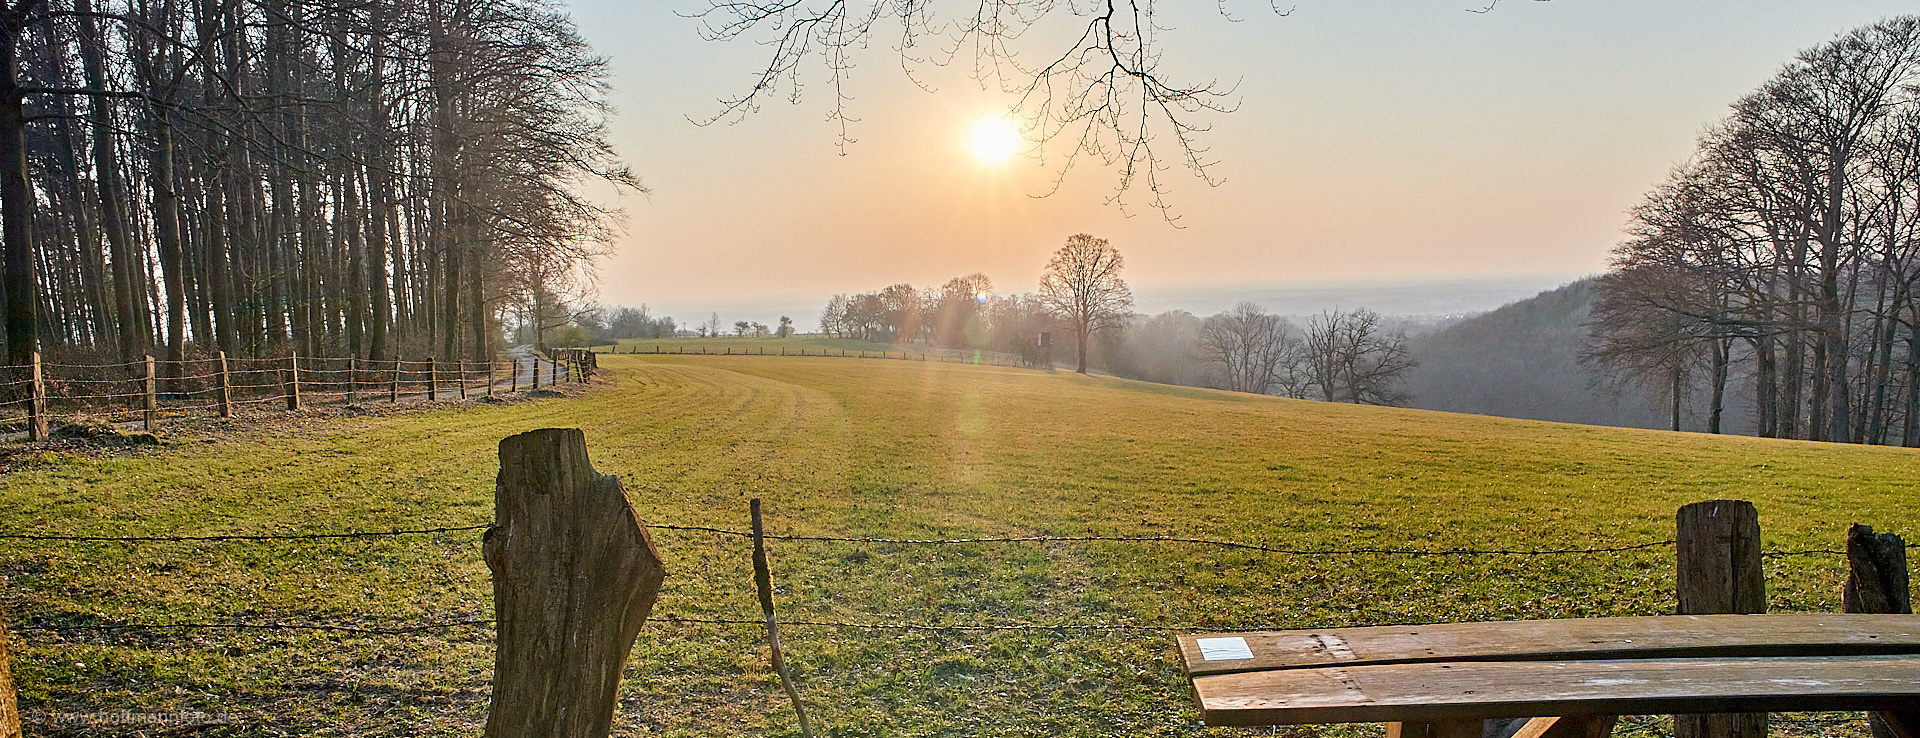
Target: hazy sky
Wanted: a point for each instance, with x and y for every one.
(1375, 140)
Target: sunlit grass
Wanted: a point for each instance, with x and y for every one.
(884, 449)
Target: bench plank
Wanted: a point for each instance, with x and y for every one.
(1493, 689)
(1811, 634)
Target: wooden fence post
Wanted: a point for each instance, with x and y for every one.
(433, 378)
(393, 388)
(36, 402)
(1877, 583)
(151, 388)
(462, 364)
(1877, 573)
(1717, 546)
(535, 363)
(489, 377)
(553, 379)
(353, 380)
(293, 381)
(226, 388)
(574, 578)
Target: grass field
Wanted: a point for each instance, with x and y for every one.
(870, 448)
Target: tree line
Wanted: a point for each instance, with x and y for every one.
(963, 313)
(1354, 356)
(1781, 260)
(257, 176)
(1341, 356)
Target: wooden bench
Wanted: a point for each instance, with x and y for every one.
(1569, 676)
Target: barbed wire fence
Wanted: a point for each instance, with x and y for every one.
(32, 622)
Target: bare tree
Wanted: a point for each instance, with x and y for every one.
(1353, 358)
(1082, 286)
(1253, 348)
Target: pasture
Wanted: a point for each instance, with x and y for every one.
(889, 449)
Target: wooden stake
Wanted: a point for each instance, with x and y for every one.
(353, 380)
(36, 403)
(433, 378)
(393, 388)
(534, 363)
(463, 378)
(489, 378)
(1717, 544)
(763, 581)
(226, 388)
(151, 387)
(574, 578)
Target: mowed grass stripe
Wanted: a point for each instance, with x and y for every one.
(881, 448)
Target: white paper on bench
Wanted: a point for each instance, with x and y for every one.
(1223, 649)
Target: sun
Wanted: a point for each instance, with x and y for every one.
(994, 139)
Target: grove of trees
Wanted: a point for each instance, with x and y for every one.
(1783, 257)
(961, 314)
(256, 176)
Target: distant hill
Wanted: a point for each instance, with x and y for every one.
(1522, 361)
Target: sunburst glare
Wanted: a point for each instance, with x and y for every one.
(994, 139)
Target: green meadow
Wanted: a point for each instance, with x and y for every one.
(870, 448)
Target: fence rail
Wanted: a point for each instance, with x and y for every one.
(144, 391)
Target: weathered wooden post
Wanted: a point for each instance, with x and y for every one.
(1877, 573)
(293, 381)
(490, 377)
(534, 370)
(433, 378)
(226, 388)
(553, 379)
(393, 388)
(36, 402)
(151, 388)
(1877, 583)
(1717, 545)
(462, 364)
(574, 578)
(353, 380)
(9, 699)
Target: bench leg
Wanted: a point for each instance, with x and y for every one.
(1572, 726)
(1896, 723)
(1437, 729)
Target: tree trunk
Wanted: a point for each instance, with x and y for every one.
(17, 277)
(130, 334)
(166, 225)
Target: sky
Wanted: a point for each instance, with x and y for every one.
(1375, 142)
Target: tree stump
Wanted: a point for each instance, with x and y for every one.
(574, 577)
